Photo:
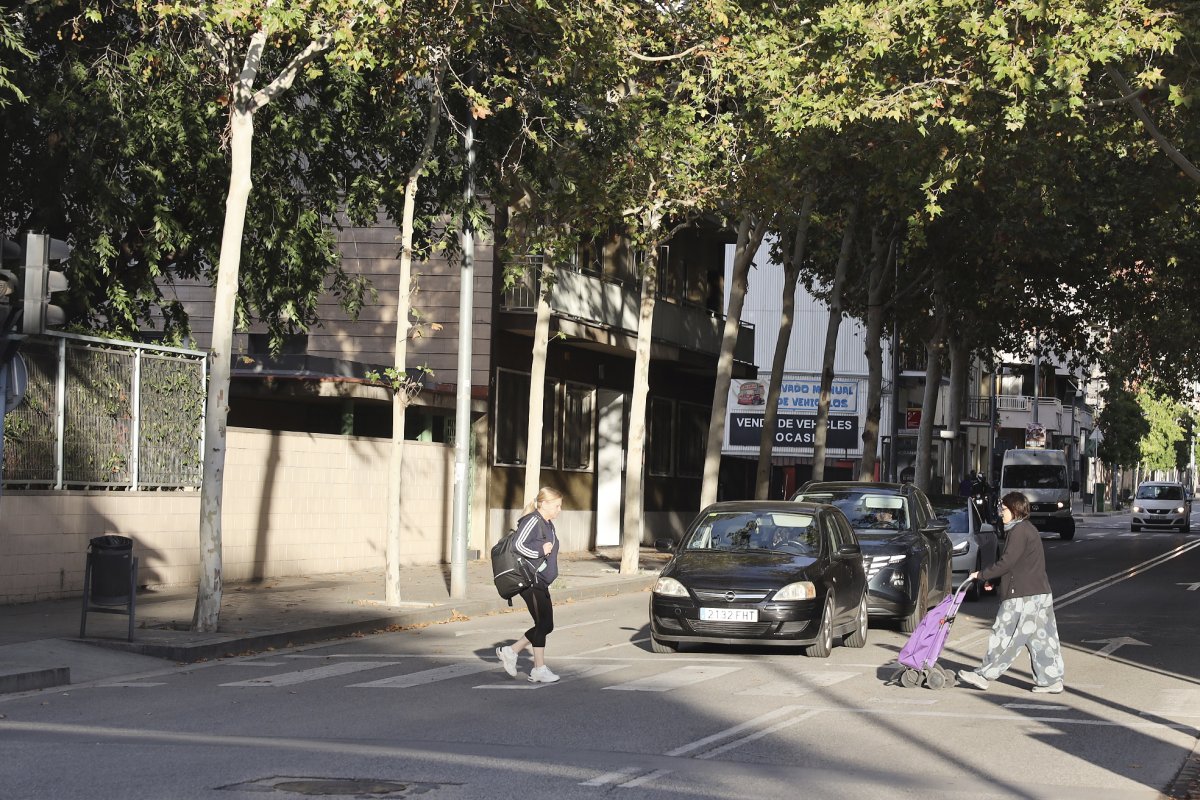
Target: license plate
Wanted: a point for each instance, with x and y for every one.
(729, 614)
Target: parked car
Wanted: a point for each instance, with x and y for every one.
(762, 573)
(1161, 504)
(973, 541)
(905, 546)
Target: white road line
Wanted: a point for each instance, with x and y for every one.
(800, 684)
(778, 726)
(736, 729)
(611, 777)
(259, 664)
(673, 679)
(653, 776)
(613, 646)
(557, 628)
(570, 673)
(902, 701)
(428, 676)
(130, 685)
(1100, 723)
(1036, 707)
(314, 674)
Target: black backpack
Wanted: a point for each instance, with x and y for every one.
(511, 573)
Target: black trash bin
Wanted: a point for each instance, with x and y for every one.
(109, 579)
(112, 557)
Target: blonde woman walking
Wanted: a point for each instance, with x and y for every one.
(537, 542)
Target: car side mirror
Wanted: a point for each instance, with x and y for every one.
(849, 550)
(1074, 486)
(664, 545)
(936, 526)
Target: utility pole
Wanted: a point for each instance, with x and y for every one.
(462, 408)
(1037, 375)
(993, 419)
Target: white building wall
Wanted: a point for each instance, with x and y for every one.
(764, 309)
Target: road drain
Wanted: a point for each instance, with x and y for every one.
(337, 787)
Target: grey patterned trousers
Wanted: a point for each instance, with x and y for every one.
(1025, 622)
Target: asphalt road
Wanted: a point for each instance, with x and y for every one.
(429, 713)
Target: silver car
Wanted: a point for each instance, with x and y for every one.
(974, 543)
(1161, 504)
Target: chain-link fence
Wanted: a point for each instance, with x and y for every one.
(106, 414)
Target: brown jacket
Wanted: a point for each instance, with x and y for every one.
(1022, 568)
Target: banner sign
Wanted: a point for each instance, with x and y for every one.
(798, 394)
(793, 430)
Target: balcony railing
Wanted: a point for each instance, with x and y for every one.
(979, 409)
(615, 305)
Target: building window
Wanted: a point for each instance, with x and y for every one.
(693, 439)
(578, 424)
(512, 414)
(661, 435)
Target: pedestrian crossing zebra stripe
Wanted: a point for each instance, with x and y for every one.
(428, 676)
(673, 679)
(314, 674)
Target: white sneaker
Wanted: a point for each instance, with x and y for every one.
(1054, 688)
(542, 675)
(508, 660)
(972, 678)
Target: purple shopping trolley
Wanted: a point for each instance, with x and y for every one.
(918, 658)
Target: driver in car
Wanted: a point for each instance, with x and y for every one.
(884, 518)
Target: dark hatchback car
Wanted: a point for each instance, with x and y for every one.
(762, 573)
(905, 546)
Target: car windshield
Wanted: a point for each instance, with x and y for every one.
(1034, 476)
(865, 510)
(774, 531)
(1160, 493)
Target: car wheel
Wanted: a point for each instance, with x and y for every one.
(823, 646)
(1068, 531)
(858, 637)
(1186, 527)
(1135, 528)
(659, 646)
(910, 623)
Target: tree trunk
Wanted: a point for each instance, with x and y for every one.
(631, 528)
(933, 383)
(402, 390)
(820, 435)
(537, 382)
(750, 236)
(206, 617)
(766, 440)
(960, 361)
(881, 259)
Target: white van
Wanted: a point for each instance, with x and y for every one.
(1041, 475)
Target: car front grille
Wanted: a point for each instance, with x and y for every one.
(731, 595)
(732, 629)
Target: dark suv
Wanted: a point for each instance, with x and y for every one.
(906, 550)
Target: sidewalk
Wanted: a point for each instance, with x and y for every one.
(39, 644)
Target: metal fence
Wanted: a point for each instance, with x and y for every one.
(106, 414)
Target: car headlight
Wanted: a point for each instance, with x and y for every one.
(1179, 510)
(669, 587)
(800, 590)
(961, 547)
(1061, 504)
(1137, 509)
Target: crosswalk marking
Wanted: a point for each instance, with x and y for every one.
(429, 676)
(799, 685)
(314, 674)
(570, 673)
(673, 679)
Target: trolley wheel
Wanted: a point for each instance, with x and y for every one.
(910, 679)
(935, 679)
